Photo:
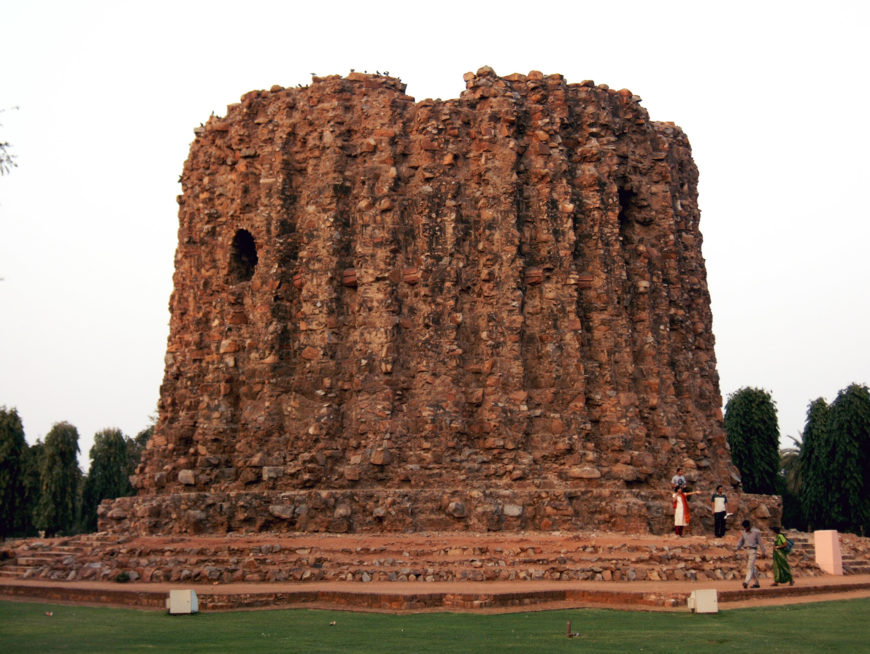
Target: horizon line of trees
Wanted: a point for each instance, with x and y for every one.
(824, 478)
(42, 488)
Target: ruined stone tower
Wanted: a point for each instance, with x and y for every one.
(483, 313)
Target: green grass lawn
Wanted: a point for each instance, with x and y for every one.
(820, 627)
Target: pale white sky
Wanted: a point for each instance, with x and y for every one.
(773, 97)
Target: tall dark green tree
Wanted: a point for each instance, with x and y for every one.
(57, 509)
(789, 480)
(32, 483)
(815, 467)
(849, 433)
(14, 516)
(108, 475)
(753, 435)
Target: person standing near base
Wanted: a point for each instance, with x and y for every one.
(678, 479)
(681, 509)
(719, 506)
(751, 540)
(781, 568)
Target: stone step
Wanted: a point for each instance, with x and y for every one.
(43, 558)
(13, 571)
(854, 566)
(401, 571)
(387, 562)
(442, 557)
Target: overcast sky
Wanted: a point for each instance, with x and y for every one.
(773, 96)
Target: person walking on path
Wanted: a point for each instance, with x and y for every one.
(781, 568)
(751, 540)
(720, 506)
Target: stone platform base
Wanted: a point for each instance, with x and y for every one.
(459, 597)
(413, 510)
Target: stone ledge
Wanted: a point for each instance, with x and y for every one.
(412, 510)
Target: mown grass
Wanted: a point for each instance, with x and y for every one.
(820, 627)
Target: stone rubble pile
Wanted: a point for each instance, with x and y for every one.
(430, 557)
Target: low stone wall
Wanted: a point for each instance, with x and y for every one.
(381, 510)
(431, 557)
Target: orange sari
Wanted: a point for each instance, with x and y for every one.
(681, 497)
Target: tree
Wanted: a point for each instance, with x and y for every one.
(814, 463)
(108, 475)
(789, 480)
(14, 516)
(56, 510)
(32, 483)
(849, 434)
(753, 435)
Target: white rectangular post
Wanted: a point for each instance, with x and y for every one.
(704, 601)
(828, 557)
(182, 602)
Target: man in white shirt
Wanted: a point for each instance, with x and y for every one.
(678, 480)
(751, 540)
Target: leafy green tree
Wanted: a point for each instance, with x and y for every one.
(815, 466)
(789, 480)
(32, 483)
(849, 434)
(56, 510)
(108, 475)
(753, 435)
(14, 516)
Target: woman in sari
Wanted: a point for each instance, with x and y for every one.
(681, 509)
(781, 568)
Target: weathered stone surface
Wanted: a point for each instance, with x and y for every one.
(512, 510)
(587, 472)
(376, 510)
(431, 557)
(282, 511)
(456, 509)
(502, 292)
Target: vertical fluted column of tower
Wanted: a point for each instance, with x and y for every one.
(552, 330)
(431, 284)
(369, 319)
(492, 310)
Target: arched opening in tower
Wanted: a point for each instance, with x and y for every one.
(627, 209)
(243, 257)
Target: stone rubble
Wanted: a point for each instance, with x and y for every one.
(429, 557)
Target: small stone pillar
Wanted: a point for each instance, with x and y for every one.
(828, 558)
(182, 601)
(704, 601)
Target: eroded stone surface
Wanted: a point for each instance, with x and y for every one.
(503, 292)
(421, 557)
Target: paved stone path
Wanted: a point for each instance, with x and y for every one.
(446, 596)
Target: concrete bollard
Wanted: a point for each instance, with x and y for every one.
(704, 601)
